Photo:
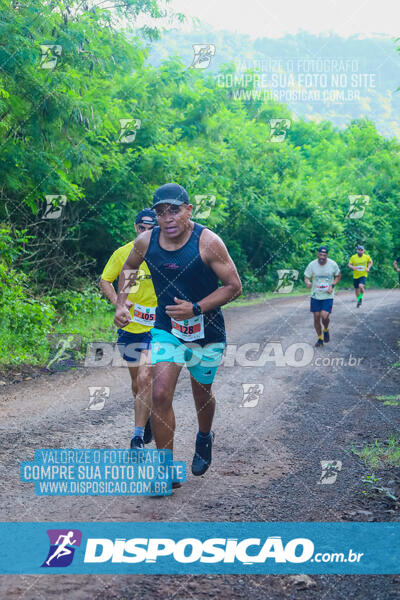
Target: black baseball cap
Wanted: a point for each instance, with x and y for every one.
(323, 249)
(170, 193)
(359, 247)
(146, 216)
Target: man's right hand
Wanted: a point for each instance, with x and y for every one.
(122, 315)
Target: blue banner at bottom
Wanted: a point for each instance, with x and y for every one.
(206, 547)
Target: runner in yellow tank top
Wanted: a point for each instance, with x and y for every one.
(360, 264)
(134, 339)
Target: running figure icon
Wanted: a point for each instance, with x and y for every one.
(62, 549)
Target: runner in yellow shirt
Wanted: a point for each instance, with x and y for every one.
(360, 264)
(134, 339)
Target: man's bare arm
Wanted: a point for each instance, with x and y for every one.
(218, 259)
(127, 278)
(216, 256)
(108, 290)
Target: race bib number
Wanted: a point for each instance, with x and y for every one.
(144, 315)
(189, 329)
(359, 268)
(323, 285)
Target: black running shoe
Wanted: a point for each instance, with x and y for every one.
(319, 343)
(326, 336)
(359, 303)
(137, 443)
(202, 455)
(148, 434)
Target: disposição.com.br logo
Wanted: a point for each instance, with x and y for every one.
(63, 543)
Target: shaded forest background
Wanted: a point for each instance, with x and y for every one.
(94, 118)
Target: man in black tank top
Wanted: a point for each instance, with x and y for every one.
(186, 261)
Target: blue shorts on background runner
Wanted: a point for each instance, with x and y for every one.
(202, 362)
(318, 305)
(130, 345)
(359, 280)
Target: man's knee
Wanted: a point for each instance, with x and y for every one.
(162, 398)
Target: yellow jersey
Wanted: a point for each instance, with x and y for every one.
(142, 294)
(361, 263)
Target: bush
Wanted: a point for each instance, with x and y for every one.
(25, 321)
(72, 302)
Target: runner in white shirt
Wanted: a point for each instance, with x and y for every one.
(321, 276)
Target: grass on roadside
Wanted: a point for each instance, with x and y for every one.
(381, 454)
(94, 328)
(251, 299)
(301, 290)
(375, 488)
(21, 346)
(390, 400)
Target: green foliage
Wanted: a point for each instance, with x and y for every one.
(275, 201)
(390, 400)
(30, 327)
(61, 136)
(86, 302)
(380, 454)
(374, 488)
(25, 321)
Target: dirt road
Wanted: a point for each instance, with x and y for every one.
(268, 449)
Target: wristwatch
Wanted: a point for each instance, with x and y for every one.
(333, 285)
(196, 309)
